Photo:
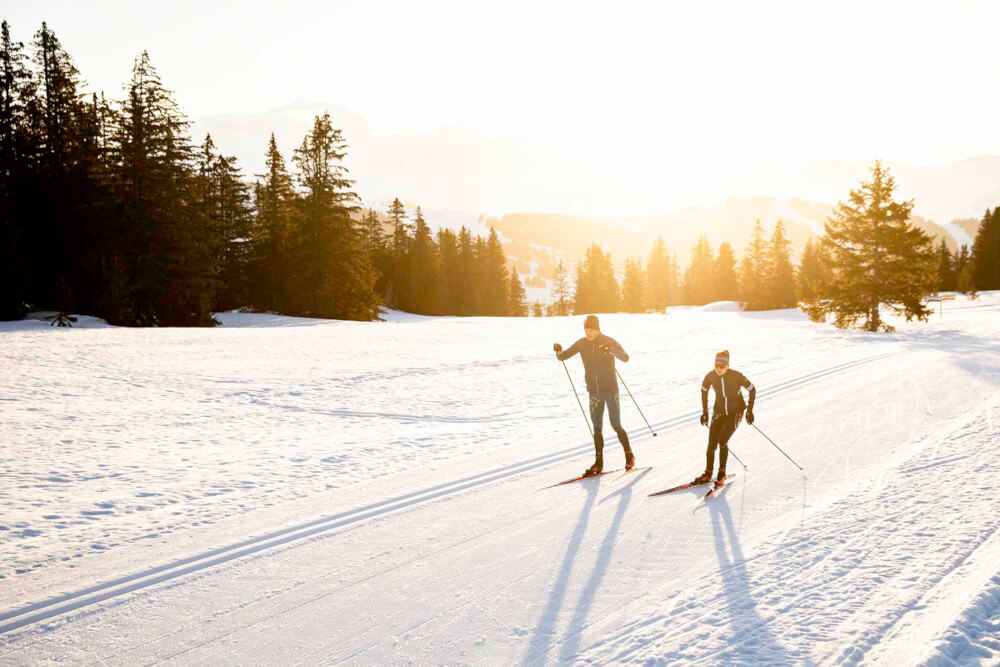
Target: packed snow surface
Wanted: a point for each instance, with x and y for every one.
(290, 491)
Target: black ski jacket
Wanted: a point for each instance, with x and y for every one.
(598, 367)
(728, 397)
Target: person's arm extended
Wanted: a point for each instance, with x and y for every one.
(569, 352)
(704, 395)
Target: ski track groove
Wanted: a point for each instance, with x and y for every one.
(137, 581)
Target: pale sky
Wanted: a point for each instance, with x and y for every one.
(690, 91)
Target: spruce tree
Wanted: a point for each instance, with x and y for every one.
(536, 309)
(517, 300)
(451, 287)
(275, 200)
(633, 287)
(424, 272)
(225, 198)
(165, 245)
(947, 279)
(877, 258)
(16, 149)
(495, 279)
(699, 279)
(468, 286)
(812, 274)
(755, 267)
(986, 253)
(725, 282)
(561, 290)
(781, 277)
(963, 271)
(658, 276)
(336, 279)
(399, 291)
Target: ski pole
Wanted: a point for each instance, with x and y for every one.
(578, 399)
(636, 403)
(778, 448)
(738, 458)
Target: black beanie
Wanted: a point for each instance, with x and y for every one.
(591, 323)
(722, 357)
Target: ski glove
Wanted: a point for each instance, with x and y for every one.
(750, 416)
(704, 419)
(606, 349)
(557, 347)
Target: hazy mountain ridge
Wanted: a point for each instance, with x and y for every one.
(731, 221)
(458, 169)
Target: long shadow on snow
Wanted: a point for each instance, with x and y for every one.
(572, 641)
(745, 623)
(543, 638)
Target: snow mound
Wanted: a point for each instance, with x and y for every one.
(721, 307)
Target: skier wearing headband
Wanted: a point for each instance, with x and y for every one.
(726, 413)
(598, 353)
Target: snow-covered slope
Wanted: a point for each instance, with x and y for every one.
(292, 491)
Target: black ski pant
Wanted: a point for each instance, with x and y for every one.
(597, 403)
(723, 427)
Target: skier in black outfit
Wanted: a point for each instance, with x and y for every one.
(598, 353)
(726, 414)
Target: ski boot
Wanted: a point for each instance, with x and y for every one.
(595, 469)
(629, 460)
(703, 477)
(720, 478)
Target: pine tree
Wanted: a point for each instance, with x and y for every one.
(781, 277)
(658, 277)
(947, 279)
(633, 300)
(963, 271)
(597, 288)
(812, 274)
(699, 279)
(165, 247)
(226, 201)
(275, 199)
(517, 305)
(468, 293)
(16, 93)
(877, 258)
(495, 279)
(424, 272)
(755, 268)
(561, 290)
(986, 253)
(536, 309)
(451, 286)
(399, 293)
(726, 286)
(336, 279)
(674, 282)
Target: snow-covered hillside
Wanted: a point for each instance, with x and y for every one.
(289, 491)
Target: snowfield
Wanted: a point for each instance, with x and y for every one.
(290, 491)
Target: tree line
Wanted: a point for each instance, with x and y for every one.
(108, 207)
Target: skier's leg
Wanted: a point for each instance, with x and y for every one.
(725, 432)
(597, 418)
(713, 442)
(614, 416)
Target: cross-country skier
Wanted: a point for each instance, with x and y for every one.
(598, 353)
(726, 413)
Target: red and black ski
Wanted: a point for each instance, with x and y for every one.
(689, 485)
(581, 477)
(719, 486)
